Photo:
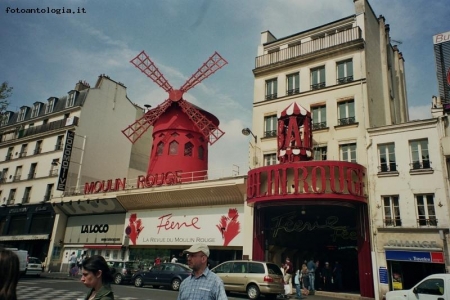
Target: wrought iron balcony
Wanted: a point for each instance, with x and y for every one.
(16, 178)
(48, 197)
(319, 125)
(271, 96)
(26, 199)
(270, 133)
(293, 91)
(3, 180)
(22, 154)
(309, 47)
(346, 121)
(53, 172)
(417, 165)
(31, 176)
(37, 151)
(427, 222)
(317, 86)
(10, 201)
(8, 157)
(388, 222)
(391, 167)
(344, 79)
(58, 146)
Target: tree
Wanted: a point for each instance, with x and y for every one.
(5, 93)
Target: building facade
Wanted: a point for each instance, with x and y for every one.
(49, 149)
(441, 43)
(350, 78)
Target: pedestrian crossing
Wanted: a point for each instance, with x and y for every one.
(29, 290)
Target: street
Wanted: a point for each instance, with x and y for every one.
(44, 288)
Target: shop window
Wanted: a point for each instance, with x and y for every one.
(17, 225)
(41, 224)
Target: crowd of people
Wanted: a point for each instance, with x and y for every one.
(311, 276)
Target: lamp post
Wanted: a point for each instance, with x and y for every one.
(246, 131)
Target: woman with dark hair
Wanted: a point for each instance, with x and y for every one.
(97, 276)
(9, 274)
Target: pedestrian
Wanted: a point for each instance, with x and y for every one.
(337, 274)
(9, 274)
(72, 264)
(174, 259)
(327, 277)
(312, 274)
(305, 279)
(202, 283)
(97, 276)
(318, 277)
(298, 287)
(289, 271)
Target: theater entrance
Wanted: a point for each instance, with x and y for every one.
(326, 232)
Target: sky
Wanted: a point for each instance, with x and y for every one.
(45, 54)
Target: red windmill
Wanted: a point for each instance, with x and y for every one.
(181, 130)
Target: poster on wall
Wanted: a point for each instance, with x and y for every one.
(214, 226)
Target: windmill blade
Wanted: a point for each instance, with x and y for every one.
(147, 66)
(208, 129)
(134, 131)
(214, 63)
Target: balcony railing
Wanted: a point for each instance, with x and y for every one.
(417, 165)
(317, 86)
(391, 167)
(22, 154)
(346, 121)
(48, 197)
(3, 180)
(319, 125)
(427, 222)
(10, 201)
(53, 172)
(37, 151)
(270, 133)
(392, 222)
(293, 91)
(271, 96)
(58, 146)
(8, 157)
(344, 80)
(16, 178)
(329, 41)
(26, 199)
(31, 176)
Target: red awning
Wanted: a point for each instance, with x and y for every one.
(103, 246)
(293, 109)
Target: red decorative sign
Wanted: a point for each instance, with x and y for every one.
(134, 228)
(229, 226)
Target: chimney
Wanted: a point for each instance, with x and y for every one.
(81, 85)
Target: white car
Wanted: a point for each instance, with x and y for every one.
(34, 266)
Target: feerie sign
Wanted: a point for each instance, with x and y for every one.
(216, 226)
(143, 181)
(409, 244)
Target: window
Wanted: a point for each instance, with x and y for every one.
(4, 175)
(344, 71)
(391, 211)
(201, 153)
(270, 126)
(35, 110)
(59, 142)
(319, 117)
(49, 106)
(18, 173)
(271, 89)
(188, 147)
(32, 173)
(48, 192)
(270, 159)
(70, 99)
(293, 84)
(433, 286)
(426, 215)
(26, 195)
(160, 149)
(173, 148)
(348, 152)
(386, 154)
(318, 78)
(346, 110)
(9, 154)
(22, 113)
(5, 118)
(23, 150)
(54, 167)
(38, 147)
(419, 154)
(11, 197)
(320, 153)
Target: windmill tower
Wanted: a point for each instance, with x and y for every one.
(181, 130)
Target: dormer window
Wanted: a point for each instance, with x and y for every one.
(36, 109)
(4, 119)
(50, 105)
(71, 99)
(22, 113)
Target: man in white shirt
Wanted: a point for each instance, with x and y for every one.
(174, 259)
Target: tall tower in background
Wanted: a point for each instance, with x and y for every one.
(442, 53)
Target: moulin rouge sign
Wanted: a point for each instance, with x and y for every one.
(143, 181)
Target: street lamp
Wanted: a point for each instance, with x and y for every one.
(247, 132)
(147, 106)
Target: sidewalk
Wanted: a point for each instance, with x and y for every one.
(60, 275)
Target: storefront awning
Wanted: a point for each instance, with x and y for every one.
(416, 256)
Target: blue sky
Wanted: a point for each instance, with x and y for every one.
(44, 55)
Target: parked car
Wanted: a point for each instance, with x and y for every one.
(123, 270)
(252, 277)
(436, 286)
(34, 266)
(166, 274)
